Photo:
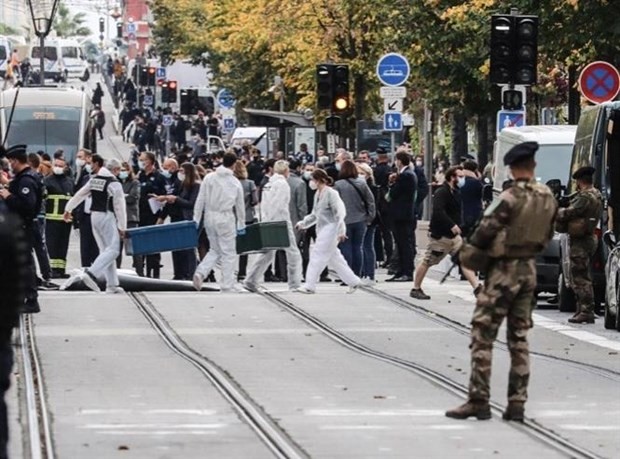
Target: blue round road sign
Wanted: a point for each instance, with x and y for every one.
(225, 99)
(393, 69)
(599, 82)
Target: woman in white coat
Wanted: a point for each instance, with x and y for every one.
(328, 215)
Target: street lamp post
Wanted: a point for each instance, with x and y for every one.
(42, 13)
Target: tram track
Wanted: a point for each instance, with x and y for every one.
(273, 436)
(40, 438)
(465, 330)
(530, 427)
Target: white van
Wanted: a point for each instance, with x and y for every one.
(74, 60)
(253, 135)
(5, 54)
(553, 158)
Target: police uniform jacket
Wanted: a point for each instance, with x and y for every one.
(153, 183)
(26, 196)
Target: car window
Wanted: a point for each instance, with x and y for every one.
(70, 52)
(49, 53)
(582, 154)
(3, 55)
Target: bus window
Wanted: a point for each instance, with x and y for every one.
(50, 53)
(47, 129)
(70, 52)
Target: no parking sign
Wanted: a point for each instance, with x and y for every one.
(599, 82)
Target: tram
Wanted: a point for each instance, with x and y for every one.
(48, 119)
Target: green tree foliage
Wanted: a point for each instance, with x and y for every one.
(70, 25)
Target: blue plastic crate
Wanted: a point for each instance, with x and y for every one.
(168, 237)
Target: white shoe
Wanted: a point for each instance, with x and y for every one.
(250, 286)
(75, 277)
(353, 288)
(114, 290)
(89, 281)
(197, 281)
(304, 290)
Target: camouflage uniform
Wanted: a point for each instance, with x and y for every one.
(507, 235)
(585, 209)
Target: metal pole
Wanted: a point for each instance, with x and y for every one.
(42, 59)
(138, 74)
(392, 145)
(428, 157)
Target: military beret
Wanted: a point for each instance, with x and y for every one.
(17, 152)
(586, 171)
(521, 152)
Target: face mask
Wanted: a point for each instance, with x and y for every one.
(58, 170)
(338, 167)
(460, 182)
(141, 165)
(88, 168)
(312, 184)
(166, 173)
(362, 176)
(181, 176)
(124, 175)
(419, 163)
(307, 175)
(80, 162)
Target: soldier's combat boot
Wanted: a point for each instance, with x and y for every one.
(478, 408)
(582, 318)
(515, 411)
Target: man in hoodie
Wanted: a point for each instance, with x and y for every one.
(221, 203)
(275, 204)
(109, 220)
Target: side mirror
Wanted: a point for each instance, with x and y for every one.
(487, 193)
(609, 239)
(556, 187)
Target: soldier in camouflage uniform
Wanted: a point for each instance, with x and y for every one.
(579, 220)
(504, 246)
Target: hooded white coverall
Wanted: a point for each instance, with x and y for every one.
(275, 208)
(221, 202)
(328, 215)
(106, 226)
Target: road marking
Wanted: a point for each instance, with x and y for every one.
(156, 432)
(581, 335)
(590, 427)
(153, 411)
(153, 426)
(361, 412)
(412, 427)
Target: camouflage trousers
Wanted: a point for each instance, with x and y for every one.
(509, 292)
(581, 252)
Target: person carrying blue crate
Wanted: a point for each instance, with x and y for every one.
(275, 207)
(220, 204)
(109, 220)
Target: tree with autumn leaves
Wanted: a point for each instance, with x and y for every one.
(248, 42)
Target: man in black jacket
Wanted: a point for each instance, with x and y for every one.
(445, 229)
(404, 185)
(384, 243)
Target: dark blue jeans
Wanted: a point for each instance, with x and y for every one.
(370, 256)
(351, 248)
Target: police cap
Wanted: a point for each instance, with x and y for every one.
(17, 152)
(520, 153)
(381, 151)
(584, 172)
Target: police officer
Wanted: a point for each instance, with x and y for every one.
(504, 246)
(82, 216)
(579, 220)
(23, 197)
(14, 270)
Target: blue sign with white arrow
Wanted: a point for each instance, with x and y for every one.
(393, 69)
(225, 99)
(393, 121)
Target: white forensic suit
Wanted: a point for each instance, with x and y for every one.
(108, 216)
(328, 215)
(220, 201)
(275, 208)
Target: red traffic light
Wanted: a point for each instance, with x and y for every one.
(151, 70)
(161, 82)
(172, 84)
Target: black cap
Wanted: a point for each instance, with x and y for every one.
(17, 152)
(381, 151)
(521, 152)
(586, 171)
(468, 156)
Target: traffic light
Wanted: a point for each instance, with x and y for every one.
(502, 40)
(172, 92)
(324, 86)
(340, 100)
(101, 25)
(526, 50)
(144, 77)
(119, 30)
(514, 49)
(164, 91)
(512, 100)
(333, 124)
(189, 102)
(150, 79)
